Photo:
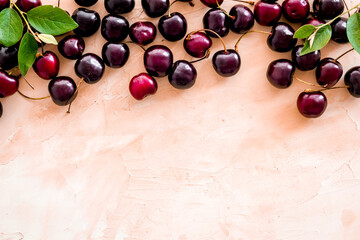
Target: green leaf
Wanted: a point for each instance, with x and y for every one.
(46, 38)
(353, 31)
(51, 20)
(305, 31)
(27, 52)
(321, 38)
(11, 27)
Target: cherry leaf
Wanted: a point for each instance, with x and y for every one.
(305, 31)
(46, 38)
(318, 41)
(353, 31)
(11, 27)
(27, 53)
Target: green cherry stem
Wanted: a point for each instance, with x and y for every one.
(31, 98)
(169, 13)
(238, 41)
(307, 83)
(346, 6)
(209, 30)
(348, 51)
(226, 13)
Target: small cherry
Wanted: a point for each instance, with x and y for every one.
(296, 10)
(217, 21)
(119, 6)
(115, 55)
(9, 56)
(62, 90)
(280, 73)
(339, 30)
(267, 13)
(142, 85)
(244, 19)
(88, 21)
(226, 62)
(352, 80)
(312, 104)
(90, 67)
(86, 3)
(47, 65)
(142, 33)
(155, 8)
(114, 28)
(328, 9)
(4, 4)
(197, 44)
(281, 38)
(173, 26)
(158, 60)
(71, 47)
(8, 84)
(328, 72)
(183, 75)
(305, 62)
(314, 21)
(27, 5)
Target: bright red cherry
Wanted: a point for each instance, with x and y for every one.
(47, 65)
(267, 13)
(197, 44)
(296, 10)
(142, 33)
(142, 85)
(8, 84)
(312, 104)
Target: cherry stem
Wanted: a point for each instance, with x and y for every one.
(136, 44)
(226, 13)
(169, 14)
(248, 2)
(325, 89)
(336, 59)
(31, 98)
(238, 41)
(346, 6)
(75, 93)
(307, 83)
(28, 83)
(58, 3)
(203, 58)
(209, 30)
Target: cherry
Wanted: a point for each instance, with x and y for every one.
(72, 47)
(155, 8)
(212, 3)
(314, 21)
(267, 13)
(27, 5)
(226, 62)
(158, 60)
(312, 104)
(328, 9)
(216, 20)
(183, 75)
(90, 67)
(339, 30)
(88, 21)
(280, 73)
(305, 62)
(8, 57)
(281, 38)
(47, 65)
(115, 55)
(114, 28)
(8, 84)
(352, 79)
(328, 72)
(142, 85)
(244, 19)
(62, 90)
(4, 4)
(1, 110)
(142, 33)
(173, 27)
(86, 3)
(296, 10)
(119, 6)
(197, 44)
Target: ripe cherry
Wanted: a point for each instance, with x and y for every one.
(8, 84)
(142, 33)
(119, 6)
(281, 38)
(312, 104)
(296, 10)
(183, 75)
(47, 65)
(9, 57)
(339, 30)
(62, 90)
(115, 55)
(305, 62)
(90, 67)
(197, 44)
(212, 3)
(88, 21)
(328, 9)
(226, 62)
(114, 28)
(86, 3)
(27, 5)
(155, 8)
(352, 80)
(173, 27)
(328, 72)
(1, 110)
(313, 21)
(244, 19)
(158, 60)
(142, 85)
(4, 4)
(72, 47)
(280, 73)
(267, 13)
(216, 20)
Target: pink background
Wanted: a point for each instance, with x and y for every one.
(228, 159)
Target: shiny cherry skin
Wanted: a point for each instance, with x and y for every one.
(86, 3)
(216, 20)
(313, 21)
(47, 65)
(306, 62)
(173, 27)
(267, 13)
(328, 72)
(211, 3)
(280, 73)
(227, 63)
(296, 10)
(197, 44)
(27, 5)
(339, 30)
(115, 55)
(4, 4)
(119, 6)
(71, 47)
(1, 110)
(8, 84)
(142, 33)
(352, 79)
(90, 67)
(281, 38)
(183, 75)
(158, 60)
(88, 21)
(8, 57)
(62, 90)
(142, 85)
(114, 28)
(155, 8)
(312, 104)
(244, 19)
(328, 9)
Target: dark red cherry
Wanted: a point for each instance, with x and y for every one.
(27, 5)
(281, 38)
(1, 110)
(212, 3)
(244, 19)
(158, 60)
(312, 104)
(183, 75)
(114, 28)
(328, 9)
(90, 67)
(119, 6)
(339, 30)
(155, 8)
(62, 90)
(142, 33)
(328, 72)
(216, 20)
(88, 21)
(296, 10)
(197, 44)
(71, 47)
(267, 13)
(280, 73)
(86, 3)
(47, 65)
(4, 4)
(352, 79)
(313, 21)
(173, 27)
(305, 62)
(8, 84)
(115, 55)
(227, 63)
(8, 57)
(142, 85)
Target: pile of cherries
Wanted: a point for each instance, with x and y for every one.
(159, 60)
